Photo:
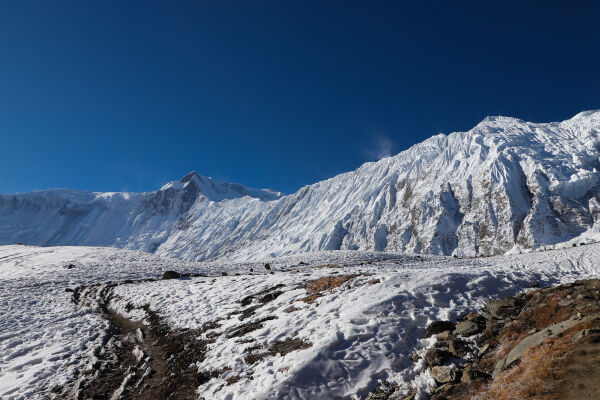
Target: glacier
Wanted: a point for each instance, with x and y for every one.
(504, 186)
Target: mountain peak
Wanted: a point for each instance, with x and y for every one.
(215, 190)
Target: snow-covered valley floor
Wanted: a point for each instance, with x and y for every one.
(359, 316)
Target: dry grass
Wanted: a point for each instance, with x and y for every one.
(317, 288)
(537, 376)
(540, 315)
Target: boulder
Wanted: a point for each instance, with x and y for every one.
(438, 327)
(459, 348)
(171, 275)
(504, 308)
(467, 328)
(446, 335)
(533, 340)
(435, 357)
(470, 374)
(477, 318)
(443, 374)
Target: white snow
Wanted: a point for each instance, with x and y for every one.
(360, 333)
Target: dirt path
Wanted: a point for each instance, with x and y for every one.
(138, 361)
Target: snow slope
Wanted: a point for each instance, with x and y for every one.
(361, 333)
(505, 185)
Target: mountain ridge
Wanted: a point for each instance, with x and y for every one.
(505, 185)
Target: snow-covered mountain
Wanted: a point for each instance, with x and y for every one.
(504, 185)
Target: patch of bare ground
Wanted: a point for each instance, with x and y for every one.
(322, 286)
(257, 353)
(140, 361)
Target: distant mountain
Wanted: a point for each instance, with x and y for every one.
(505, 185)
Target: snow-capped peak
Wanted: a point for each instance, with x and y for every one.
(215, 190)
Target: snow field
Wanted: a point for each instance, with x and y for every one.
(361, 332)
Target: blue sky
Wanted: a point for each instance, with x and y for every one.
(117, 95)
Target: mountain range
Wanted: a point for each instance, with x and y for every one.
(506, 185)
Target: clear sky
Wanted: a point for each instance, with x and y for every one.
(127, 95)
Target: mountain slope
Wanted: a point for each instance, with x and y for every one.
(504, 185)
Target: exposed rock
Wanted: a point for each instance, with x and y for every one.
(530, 341)
(467, 328)
(476, 318)
(459, 348)
(504, 308)
(445, 335)
(483, 350)
(584, 333)
(565, 303)
(384, 392)
(438, 327)
(552, 332)
(171, 275)
(470, 374)
(435, 357)
(443, 374)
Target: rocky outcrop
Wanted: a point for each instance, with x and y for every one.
(527, 346)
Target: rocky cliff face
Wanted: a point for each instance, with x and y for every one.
(505, 185)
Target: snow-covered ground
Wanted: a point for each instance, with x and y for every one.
(361, 332)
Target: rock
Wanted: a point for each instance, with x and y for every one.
(477, 318)
(438, 327)
(70, 266)
(171, 275)
(530, 341)
(415, 357)
(467, 328)
(443, 374)
(470, 374)
(459, 348)
(504, 308)
(565, 303)
(411, 396)
(223, 273)
(483, 350)
(267, 266)
(445, 335)
(585, 332)
(384, 392)
(435, 357)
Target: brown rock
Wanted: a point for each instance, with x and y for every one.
(443, 374)
(459, 348)
(438, 327)
(504, 308)
(470, 374)
(435, 357)
(467, 328)
(445, 335)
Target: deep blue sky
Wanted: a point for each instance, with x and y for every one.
(125, 95)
